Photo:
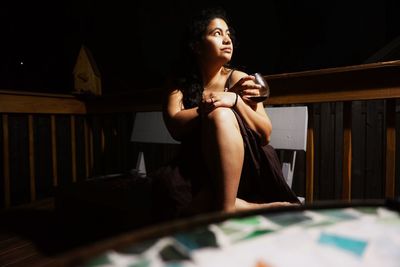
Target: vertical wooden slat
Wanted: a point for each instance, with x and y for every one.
(86, 140)
(390, 148)
(102, 140)
(73, 148)
(54, 149)
(31, 158)
(101, 166)
(6, 160)
(91, 150)
(347, 153)
(310, 159)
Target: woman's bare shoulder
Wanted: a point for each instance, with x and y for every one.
(237, 75)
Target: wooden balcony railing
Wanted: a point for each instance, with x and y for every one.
(50, 140)
(362, 82)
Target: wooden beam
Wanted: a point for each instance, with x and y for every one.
(31, 158)
(310, 158)
(320, 97)
(390, 148)
(73, 148)
(54, 149)
(13, 102)
(347, 151)
(91, 150)
(359, 82)
(87, 147)
(6, 161)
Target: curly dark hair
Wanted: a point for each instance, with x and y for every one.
(189, 78)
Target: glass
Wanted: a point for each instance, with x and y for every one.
(264, 91)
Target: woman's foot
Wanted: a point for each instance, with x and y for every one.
(242, 205)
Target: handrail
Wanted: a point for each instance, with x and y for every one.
(34, 103)
(350, 83)
(361, 82)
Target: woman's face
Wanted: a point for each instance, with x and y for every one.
(217, 42)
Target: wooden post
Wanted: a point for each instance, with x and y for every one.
(86, 136)
(390, 148)
(6, 161)
(54, 149)
(31, 158)
(347, 153)
(73, 149)
(91, 150)
(310, 157)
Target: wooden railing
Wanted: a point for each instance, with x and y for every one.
(363, 82)
(30, 105)
(81, 137)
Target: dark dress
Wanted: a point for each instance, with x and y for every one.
(261, 181)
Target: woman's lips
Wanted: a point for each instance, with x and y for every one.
(227, 50)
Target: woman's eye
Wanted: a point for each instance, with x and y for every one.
(217, 33)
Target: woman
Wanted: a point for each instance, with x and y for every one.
(208, 109)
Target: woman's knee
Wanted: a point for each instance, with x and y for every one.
(221, 115)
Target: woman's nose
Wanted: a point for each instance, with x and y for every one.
(227, 39)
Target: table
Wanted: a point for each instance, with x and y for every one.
(327, 234)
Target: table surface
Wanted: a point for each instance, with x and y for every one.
(352, 234)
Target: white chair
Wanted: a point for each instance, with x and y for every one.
(149, 127)
(289, 132)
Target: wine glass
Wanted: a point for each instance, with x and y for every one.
(264, 91)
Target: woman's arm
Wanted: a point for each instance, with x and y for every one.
(253, 113)
(256, 119)
(179, 121)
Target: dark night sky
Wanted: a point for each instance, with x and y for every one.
(134, 43)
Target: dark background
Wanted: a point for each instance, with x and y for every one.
(134, 43)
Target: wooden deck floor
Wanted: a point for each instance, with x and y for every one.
(35, 235)
(19, 228)
(40, 235)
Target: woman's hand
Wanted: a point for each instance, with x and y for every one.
(245, 88)
(215, 100)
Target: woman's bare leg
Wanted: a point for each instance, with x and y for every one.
(223, 151)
